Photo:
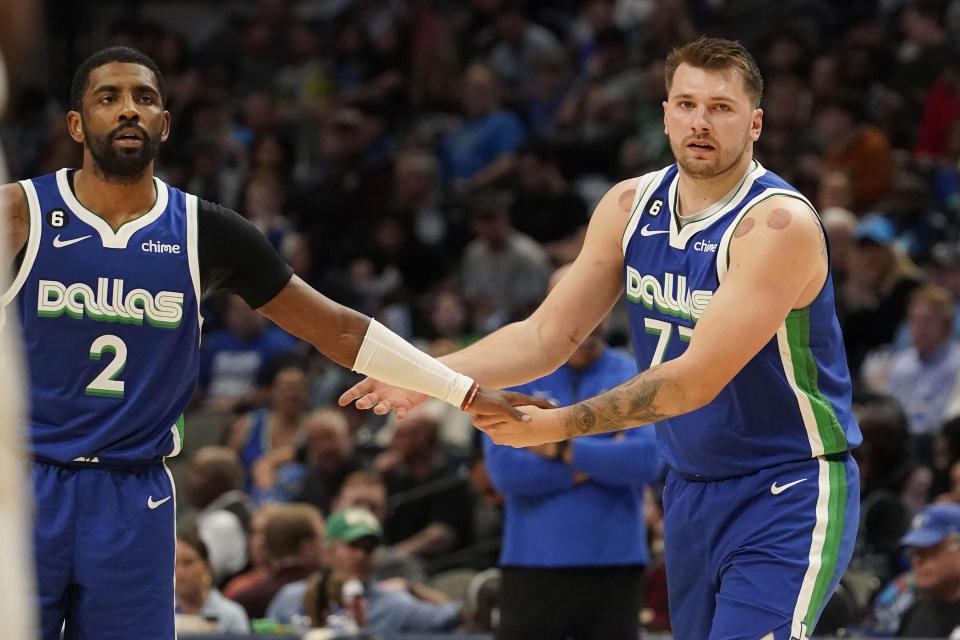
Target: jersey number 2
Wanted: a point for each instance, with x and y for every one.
(106, 383)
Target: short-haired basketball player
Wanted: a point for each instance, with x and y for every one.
(111, 265)
(731, 309)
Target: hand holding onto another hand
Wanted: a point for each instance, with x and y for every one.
(542, 424)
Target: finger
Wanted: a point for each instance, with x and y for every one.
(517, 399)
(382, 408)
(400, 413)
(487, 420)
(518, 415)
(350, 394)
(367, 401)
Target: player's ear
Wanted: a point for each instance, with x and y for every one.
(165, 126)
(75, 126)
(756, 125)
(665, 118)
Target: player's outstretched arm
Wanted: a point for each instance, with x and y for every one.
(13, 209)
(778, 262)
(527, 350)
(353, 340)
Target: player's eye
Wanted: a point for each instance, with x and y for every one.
(686, 104)
(722, 107)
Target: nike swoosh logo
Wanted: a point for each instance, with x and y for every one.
(57, 242)
(153, 505)
(645, 231)
(775, 490)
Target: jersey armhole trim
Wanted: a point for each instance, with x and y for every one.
(647, 183)
(33, 243)
(723, 251)
(193, 256)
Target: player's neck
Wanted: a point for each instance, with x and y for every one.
(696, 194)
(115, 202)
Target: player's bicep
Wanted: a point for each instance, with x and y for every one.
(771, 266)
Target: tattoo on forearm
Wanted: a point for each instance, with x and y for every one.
(629, 405)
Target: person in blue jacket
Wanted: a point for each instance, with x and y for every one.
(574, 539)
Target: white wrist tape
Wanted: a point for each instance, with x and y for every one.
(389, 358)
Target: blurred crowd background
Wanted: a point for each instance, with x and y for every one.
(430, 163)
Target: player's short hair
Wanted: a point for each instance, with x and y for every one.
(81, 78)
(717, 53)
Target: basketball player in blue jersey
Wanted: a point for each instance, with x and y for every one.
(110, 267)
(731, 308)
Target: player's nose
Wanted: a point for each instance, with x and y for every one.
(700, 121)
(128, 108)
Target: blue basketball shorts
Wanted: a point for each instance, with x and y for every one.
(759, 553)
(104, 541)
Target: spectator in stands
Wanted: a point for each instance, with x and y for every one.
(858, 148)
(266, 438)
(481, 150)
(293, 540)
(519, 44)
(428, 498)
(544, 206)
(840, 225)
(200, 607)
(232, 358)
(213, 482)
(259, 560)
(874, 299)
(934, 542)
(886, 468)
(327, 458)
(394, 606)
(504, 271)
(561, 499)
(923, 377)
(367, 490)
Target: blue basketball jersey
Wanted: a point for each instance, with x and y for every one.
(111, 324)
(792, 400)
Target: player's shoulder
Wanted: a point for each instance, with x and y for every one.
(780, 211)
(13, 196)
(16, 212)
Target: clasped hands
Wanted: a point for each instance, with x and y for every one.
(508, 417)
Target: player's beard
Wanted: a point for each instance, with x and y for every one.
(122, 165)
(698, 171)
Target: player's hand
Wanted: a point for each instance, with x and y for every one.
(382, 397)
(490, 406)
(540, 425)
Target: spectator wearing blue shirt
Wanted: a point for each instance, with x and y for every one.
(481, 150)
(923, 377)
(232, 358)
(574, 541)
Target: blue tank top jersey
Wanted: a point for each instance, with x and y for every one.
(792, 400)
(111, 324)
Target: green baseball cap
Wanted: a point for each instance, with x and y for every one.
(353, 523)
